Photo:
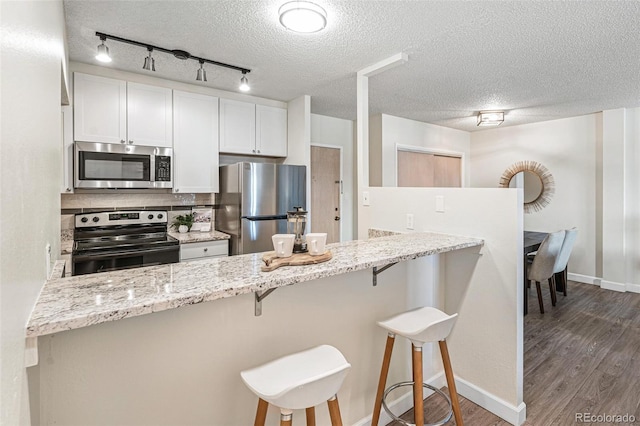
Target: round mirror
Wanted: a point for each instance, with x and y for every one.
(535, 179)
(532, 185)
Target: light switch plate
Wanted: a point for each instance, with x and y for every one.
(409, 221)
(439, 204)
(365, 198)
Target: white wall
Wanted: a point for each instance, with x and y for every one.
(387, 131)
(336, 132)
(484, 287)
(299, 137)
(567, 148)
(30, 175)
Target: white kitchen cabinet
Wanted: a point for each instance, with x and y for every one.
(237, 127)
(67, 150)
(206, 249)
(115, 111)
(149, 115)
(250, 129)
(195, 142)
(271, 131)
(100, 109)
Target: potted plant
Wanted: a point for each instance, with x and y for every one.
(183, 223)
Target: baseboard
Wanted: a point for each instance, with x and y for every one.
(404, 403)
(633, 288)
(585, 279)
(604, 284)
(501, 408)
(611, 285)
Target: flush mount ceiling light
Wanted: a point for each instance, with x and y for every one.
(149, 62)
(103, 52)
(490, 118)
(302, 17)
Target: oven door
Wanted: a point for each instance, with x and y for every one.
(102, 165)
(125, 259)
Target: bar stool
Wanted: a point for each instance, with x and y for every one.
(420, 325)
(301, 380)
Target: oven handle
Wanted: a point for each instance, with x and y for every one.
(122, 253)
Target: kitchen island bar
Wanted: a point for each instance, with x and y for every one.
(76, 302)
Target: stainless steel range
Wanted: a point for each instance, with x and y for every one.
(107, 241)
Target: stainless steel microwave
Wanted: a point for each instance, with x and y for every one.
(106, 165)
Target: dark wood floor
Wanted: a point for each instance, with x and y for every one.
(581, 356)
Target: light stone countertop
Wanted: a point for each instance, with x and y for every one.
(84, 300)
(197, 236)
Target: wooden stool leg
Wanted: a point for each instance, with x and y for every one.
(540, 297)
(261, 414)
(334, 411)
(285, 417)
(384, 372)
(311, 416)
(451, 383)
(418, 399)
(552, 290)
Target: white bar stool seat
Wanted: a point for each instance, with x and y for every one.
(301, 380)
(420, 326)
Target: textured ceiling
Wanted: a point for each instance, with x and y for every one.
(537, 60)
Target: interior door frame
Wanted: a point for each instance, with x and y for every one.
(436, 151)
(324, 145)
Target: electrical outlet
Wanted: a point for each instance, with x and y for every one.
(409, 221)
(365, 198)
(47, 254)
(439, 204)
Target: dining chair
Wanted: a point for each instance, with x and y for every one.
(560, 267)
(544, 263)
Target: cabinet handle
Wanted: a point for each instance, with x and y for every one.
(206, 249)
(253, 150)
(258, 151)
(122, 141)
(176, 190)
(68, 189)
(130, 142)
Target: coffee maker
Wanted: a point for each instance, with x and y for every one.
(296, 222)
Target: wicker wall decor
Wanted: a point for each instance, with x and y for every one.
(548, 184)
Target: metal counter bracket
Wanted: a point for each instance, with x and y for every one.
(259, 297)
(377, 271)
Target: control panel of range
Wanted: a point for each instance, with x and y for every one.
(112, 218)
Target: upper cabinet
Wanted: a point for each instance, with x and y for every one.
(115, 111)
(250, 129)
(195, 142)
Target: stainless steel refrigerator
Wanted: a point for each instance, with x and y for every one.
(253, 202)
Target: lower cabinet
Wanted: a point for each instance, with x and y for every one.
(190, 251)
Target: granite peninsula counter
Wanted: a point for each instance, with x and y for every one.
(81, 301)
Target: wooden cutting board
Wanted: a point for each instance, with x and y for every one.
(272, 261)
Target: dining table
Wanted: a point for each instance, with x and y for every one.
(532, 241)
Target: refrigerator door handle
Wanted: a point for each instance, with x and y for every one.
(272, 217)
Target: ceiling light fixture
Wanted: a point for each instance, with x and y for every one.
(202, 74)
(490, 118)
(149, 62)
(244, 83)
(302, 16)
(103, 52)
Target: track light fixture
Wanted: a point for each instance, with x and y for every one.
(244, 83)
(149, 62)
(103, 51)
(202, 74)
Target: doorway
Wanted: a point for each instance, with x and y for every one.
(427, 169)
(326, 190)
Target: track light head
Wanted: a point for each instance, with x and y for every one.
(202, 74)
(103, 52)
(149, 62)
(244, 84)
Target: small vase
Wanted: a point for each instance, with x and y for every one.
(182, 229)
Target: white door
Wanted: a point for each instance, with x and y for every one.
(195, 142)
(237, 127)
(149, 115)
(271, 131)
(100, 109)
(325, 191)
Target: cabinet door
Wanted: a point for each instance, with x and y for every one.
(195, 142)
(237, 127)
(149, 111)
(67, 150)
(100, 109)
(271, 131)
